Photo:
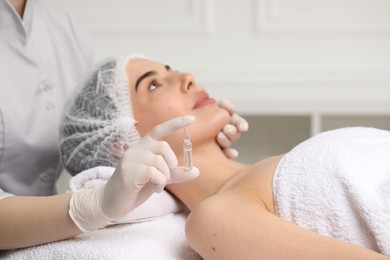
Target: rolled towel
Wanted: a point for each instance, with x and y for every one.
(158, 205)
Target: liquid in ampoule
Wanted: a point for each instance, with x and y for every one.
(187, 151)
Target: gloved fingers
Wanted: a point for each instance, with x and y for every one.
(239, 122)
(163, 130)
(156, 161)
(179, 175)
(164, 149)
(156, 177)
(231, 132)
(117, 150)
(158, 188)
(223, 141)
(226, 104)
(230, 153)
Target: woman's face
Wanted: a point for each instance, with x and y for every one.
(159, 94)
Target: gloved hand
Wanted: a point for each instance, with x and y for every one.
(144, 169)
(232, 131)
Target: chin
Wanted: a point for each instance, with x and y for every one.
(211, 119)
(222, 117)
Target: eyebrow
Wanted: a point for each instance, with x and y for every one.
(143, 76)
(148, 74)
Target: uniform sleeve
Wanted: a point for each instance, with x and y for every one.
(1, 135)
(3, 194)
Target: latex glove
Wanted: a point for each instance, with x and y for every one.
(145, 168)
(232, 131)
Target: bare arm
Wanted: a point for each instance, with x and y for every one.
(28, 221)
(231, 226)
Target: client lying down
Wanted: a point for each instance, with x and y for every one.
(327, 198)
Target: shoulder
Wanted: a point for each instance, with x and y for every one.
(255, 183)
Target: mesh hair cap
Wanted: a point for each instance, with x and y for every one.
(98, 122)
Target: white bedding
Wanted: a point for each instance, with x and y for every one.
(161, 238)
(154, 230)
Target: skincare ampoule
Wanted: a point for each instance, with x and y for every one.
(187, 151)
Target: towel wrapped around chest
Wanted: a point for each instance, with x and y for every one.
(337, 184)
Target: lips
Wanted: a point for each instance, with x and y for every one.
(203, 99)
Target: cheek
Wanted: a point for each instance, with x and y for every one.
(154, 114)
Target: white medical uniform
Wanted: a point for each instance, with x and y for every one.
(42, 57)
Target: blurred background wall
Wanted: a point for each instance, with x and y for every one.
(293, 67)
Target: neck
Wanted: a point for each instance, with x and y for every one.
(215, 169)
(19, 6)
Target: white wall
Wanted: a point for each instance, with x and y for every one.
(267, 56)
(325, 60)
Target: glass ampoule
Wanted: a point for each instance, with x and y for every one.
(187, 151)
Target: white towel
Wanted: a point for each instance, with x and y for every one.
(338, 184)
(156, 231)
(159, 204)
(160, 239)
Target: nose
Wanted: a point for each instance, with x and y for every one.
(188, 82)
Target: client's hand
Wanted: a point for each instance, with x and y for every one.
(232, 131)
(145, 168)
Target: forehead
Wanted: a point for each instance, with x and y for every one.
(138, 66)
